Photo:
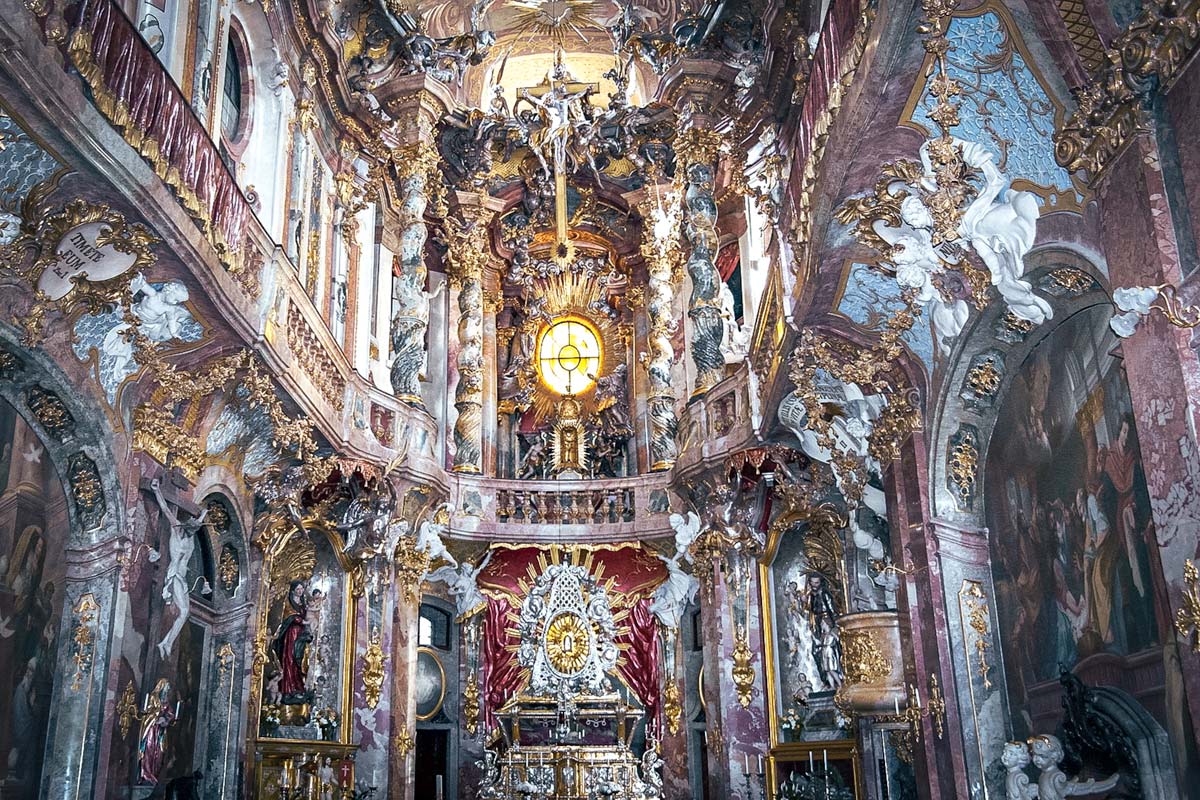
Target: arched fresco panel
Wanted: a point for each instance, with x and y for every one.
(34, 527)
(1069, 519)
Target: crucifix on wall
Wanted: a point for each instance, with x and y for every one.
(564, 109)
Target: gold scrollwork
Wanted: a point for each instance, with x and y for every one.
(373, 670)
(1072, 280)
(1112, 108)
(225, 657)
(50, 412)
(974, 606)
(672, 707)
(127, 709)
(743, 668)
(984, 379)
(404, 742)
(864, 662)
(964, 462)
(1187, 618)
(84, 637)
(471, 704)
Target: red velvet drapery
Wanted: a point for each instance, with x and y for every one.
(501, 674)
(639, 664)
(631, 573)
(728, 258)
(140, 98)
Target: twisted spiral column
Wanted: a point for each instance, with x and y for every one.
(468, 255)
(415, 164)
(697, 149)
(660, 253)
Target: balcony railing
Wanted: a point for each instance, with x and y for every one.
(138, 96)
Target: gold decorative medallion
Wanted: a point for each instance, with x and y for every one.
(568, 642)
(864, 661)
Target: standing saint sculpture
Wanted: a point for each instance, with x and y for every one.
(156, 717)
(289, 646)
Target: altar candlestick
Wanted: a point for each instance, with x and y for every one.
(825, 760)
(760, 765)
(917, 690)
(896, 704)
(811, 767)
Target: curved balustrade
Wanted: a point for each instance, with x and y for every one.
(595, 510)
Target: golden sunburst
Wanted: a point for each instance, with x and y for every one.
(557, 19)
(568, 642)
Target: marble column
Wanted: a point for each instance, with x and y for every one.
(468, 255)
(962, 564)
(84, 689)
(660, 234)
(416, 166)
(941, 758)
(673, 738)
(1163, 373)
(737, 732)
(403, 689)
(696, 151)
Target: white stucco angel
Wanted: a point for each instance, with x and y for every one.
(181, 545)
(917, 261)
(674, 594)
(462, 583)
(1001, 224)
(736, 339)
(161, 314)
(686, 528)
(429, 536)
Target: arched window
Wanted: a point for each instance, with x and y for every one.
(231, 95)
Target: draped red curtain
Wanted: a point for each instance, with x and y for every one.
(501, 673)
(640, 666)
(634, 573)
(728, 258)
(139, 97)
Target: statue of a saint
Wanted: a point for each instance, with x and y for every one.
(289, 645)
(826, 642)
(156, 717)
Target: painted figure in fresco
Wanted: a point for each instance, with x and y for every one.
(826, 643)
(175, 587)
(1119, 464)
(24, 724)
(158, 715)
(290, 646)
(1100, 554)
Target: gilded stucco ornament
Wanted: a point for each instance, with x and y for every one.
(743, 667)
(1112, 109)
(963, 461)
(471, 704)
(1187, 618)
(372, 672)
(83, 639)
(81, 254)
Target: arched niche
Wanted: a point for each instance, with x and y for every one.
(61, 516)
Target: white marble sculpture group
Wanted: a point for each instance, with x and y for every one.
(1045, 752)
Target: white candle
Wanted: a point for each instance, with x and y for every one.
(825, 760)
(918, 692)
(811, 767)
(438, 786)
(896, 704)
(760, 765)
(747, 763)
(286, 781)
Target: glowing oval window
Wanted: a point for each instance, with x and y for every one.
(569, 355)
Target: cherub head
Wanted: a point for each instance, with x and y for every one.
(914, 213)
(1015, 755)
(1047, 751)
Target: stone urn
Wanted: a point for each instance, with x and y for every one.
(873, 662)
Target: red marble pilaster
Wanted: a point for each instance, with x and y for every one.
(402, 760)
(1164, 383)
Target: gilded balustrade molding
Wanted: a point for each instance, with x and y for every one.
(316, 362)
(1143, 61)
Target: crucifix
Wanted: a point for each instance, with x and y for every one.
(167, 492)
(562, 105)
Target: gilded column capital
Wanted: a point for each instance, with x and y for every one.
(1111, 111)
